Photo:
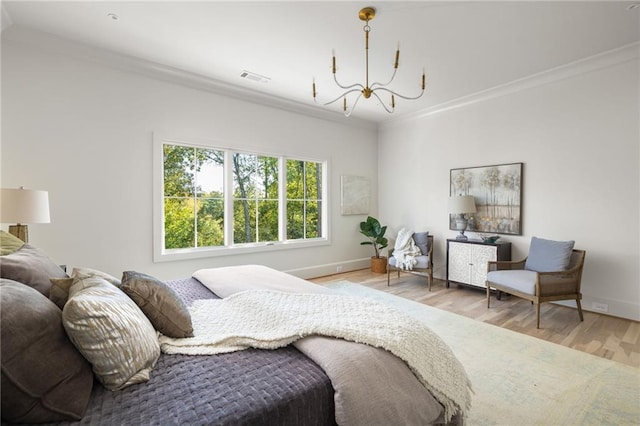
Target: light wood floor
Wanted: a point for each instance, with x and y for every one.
(601, 335)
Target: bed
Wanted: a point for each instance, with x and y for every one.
(249, 387)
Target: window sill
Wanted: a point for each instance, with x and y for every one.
(203, 252)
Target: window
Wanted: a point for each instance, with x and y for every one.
(304, 199)
(255, 198)
(193, 197)
(218, 201)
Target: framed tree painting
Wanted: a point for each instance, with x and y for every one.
(497, 191)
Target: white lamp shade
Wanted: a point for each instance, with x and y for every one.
(24, 206)
(462, 204)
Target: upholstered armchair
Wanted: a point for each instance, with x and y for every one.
(423, 258)
(552, 271)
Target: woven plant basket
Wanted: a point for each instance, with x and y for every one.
(379, 264)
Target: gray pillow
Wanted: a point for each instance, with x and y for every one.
(166, 311)
(422, 241)
(111, 332)
(548, 255)
(31, 266)
(44, 377)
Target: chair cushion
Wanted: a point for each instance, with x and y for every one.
(548, 255)
(422, 262)
(520, 280)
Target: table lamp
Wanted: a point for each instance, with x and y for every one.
(23, 206)
(460, 205)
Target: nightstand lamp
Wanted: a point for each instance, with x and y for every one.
(23, 206)
(461, 205)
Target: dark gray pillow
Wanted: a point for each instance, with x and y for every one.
(44, 377)
(164, 308)
(422, 241)
(31, 266)
(548, 255)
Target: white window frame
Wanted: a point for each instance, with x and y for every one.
(160, 254)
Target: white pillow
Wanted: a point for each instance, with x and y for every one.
(111, 332)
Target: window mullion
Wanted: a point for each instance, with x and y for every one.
(305, 194)
(282, 199)
(195, 197)
(228, 198)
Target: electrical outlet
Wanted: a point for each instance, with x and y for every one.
(600, 307)
(339, 269)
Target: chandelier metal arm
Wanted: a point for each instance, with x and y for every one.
(410, 98)
(341, 96)
(377, 84)
(360, 86)
(347, 114)
(390, 111)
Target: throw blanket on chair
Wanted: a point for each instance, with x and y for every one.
(405, 250)
(270, 319)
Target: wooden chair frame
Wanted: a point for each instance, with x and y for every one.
(423, 272)
(546, 283)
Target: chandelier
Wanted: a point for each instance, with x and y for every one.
(366, 90)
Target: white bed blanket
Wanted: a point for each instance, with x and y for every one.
(270, 319)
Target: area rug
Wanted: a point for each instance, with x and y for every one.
(520, 380)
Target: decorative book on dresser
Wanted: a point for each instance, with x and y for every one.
(467, 260)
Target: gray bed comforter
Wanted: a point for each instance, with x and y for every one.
(253, 387)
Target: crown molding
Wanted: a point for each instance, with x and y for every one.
(599, 61)
(50, 43)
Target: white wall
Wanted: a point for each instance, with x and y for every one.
(83, 131)
(578, 138)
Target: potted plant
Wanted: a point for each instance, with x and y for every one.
(372, 229)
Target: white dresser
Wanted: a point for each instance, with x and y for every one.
(467, 260)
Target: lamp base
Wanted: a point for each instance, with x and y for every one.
(461, 226)
(20, 231)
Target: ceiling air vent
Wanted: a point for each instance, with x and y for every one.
(254, 77)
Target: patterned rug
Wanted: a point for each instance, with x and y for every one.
(520, 380)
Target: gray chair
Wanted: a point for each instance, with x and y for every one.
(552, 271)
(424, 265)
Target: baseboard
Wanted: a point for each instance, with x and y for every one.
(330, 268)
(614, 308)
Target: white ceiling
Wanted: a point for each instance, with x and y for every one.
(464, 47)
